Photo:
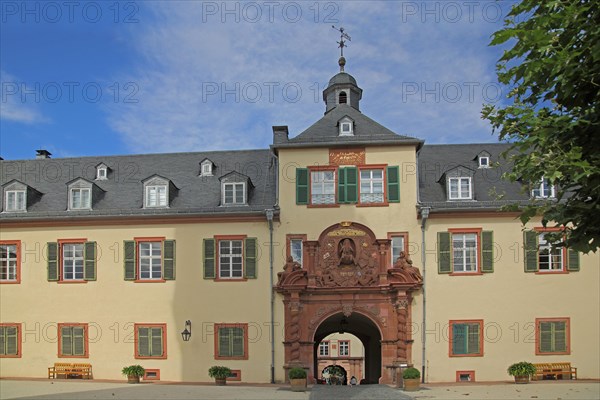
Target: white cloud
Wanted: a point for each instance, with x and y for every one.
(207, 84)
(14, 107)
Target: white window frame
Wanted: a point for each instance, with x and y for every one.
(346, 129)
(8, 273)
(554, 256)
(233, 187)
(15, 200)
(344, 348)
(483, 164)
(101, 173)
(324, 349)
(231, 263)
(81, 205)
(543, 190)
(206, 168)
(159, 201)
(459, 195)
(73, 263)
(150, 263)
(325, 185)
(371, 195)
(470, 261)
(296, 250)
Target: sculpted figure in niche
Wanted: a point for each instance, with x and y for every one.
(289, 267)
(405, 264)
(346, 252)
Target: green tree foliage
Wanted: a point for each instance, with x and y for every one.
(553, 73)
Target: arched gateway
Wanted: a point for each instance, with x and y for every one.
(347, 281)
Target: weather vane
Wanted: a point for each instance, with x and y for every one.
(342, 44)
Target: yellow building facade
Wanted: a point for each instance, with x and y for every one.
(346, 226)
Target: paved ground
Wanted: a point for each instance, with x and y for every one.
(75, 390)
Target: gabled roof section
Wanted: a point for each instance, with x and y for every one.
(235, 176)
(325, 132)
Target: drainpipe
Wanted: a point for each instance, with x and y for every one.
(424, 216)
(269, 214)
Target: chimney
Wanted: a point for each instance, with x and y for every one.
(280, 134)
(42, 154)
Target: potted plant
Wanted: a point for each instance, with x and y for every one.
(297, 379)
(522, 371)
(412, 379)
(133, 373)
(220, 374)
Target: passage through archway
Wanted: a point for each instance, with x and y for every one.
(366, 331)
(347, 280)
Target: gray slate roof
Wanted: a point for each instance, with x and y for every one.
(325, 132)
(123, 190)
(437, 160)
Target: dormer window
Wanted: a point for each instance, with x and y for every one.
(156, 196)
(346, 126)
(206, 168)
(80, 199)
(15, 200)
(234, 193)
(343, 98)
(101, 172)
(484, 162)
(156, 192)
(460, 188)
(543, 190)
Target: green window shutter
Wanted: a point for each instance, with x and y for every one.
(301, 185)
(11, 338)
(393, 184)
(168, 263)
(89, 256)
(351, 185)
(129, 251)
(341, 185)
(143, 342)
(459, 339)
(487, 251)
(560, 336)
(250, 250)
(224, 349)
(78, 336)
(156, 344)
(473, 338)
(52, 255)
(553, 337)
(444, 255)
(3, 340)
(66, 338)
(530, 241)
(573, 260)
(237, 342)
(208, 246)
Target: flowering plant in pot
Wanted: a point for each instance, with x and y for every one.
(297, 379)
(133, 373)
(220, 374)
(522, 371)
(412, 379)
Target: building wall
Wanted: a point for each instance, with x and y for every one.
(508, 301)
(110, 306)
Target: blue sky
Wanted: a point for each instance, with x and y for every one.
(106, 77)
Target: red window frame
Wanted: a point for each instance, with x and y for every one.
(218, 239)
(383, 168)
(17, 280)
(460, 231)
(216, 343)
(138, 241)
(19, 340)
(335, 185)
(61, 243)
(450, 337)
(86, 343)
(470, 373)
(136, 339)
(154, 371)
(567, 322)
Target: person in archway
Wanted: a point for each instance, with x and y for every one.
(353, 381)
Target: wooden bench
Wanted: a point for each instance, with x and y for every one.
(557, 370)
(70, 370)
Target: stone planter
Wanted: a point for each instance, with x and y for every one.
(220, 381)
(298, 385)
(133, 379)
(411, 385)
